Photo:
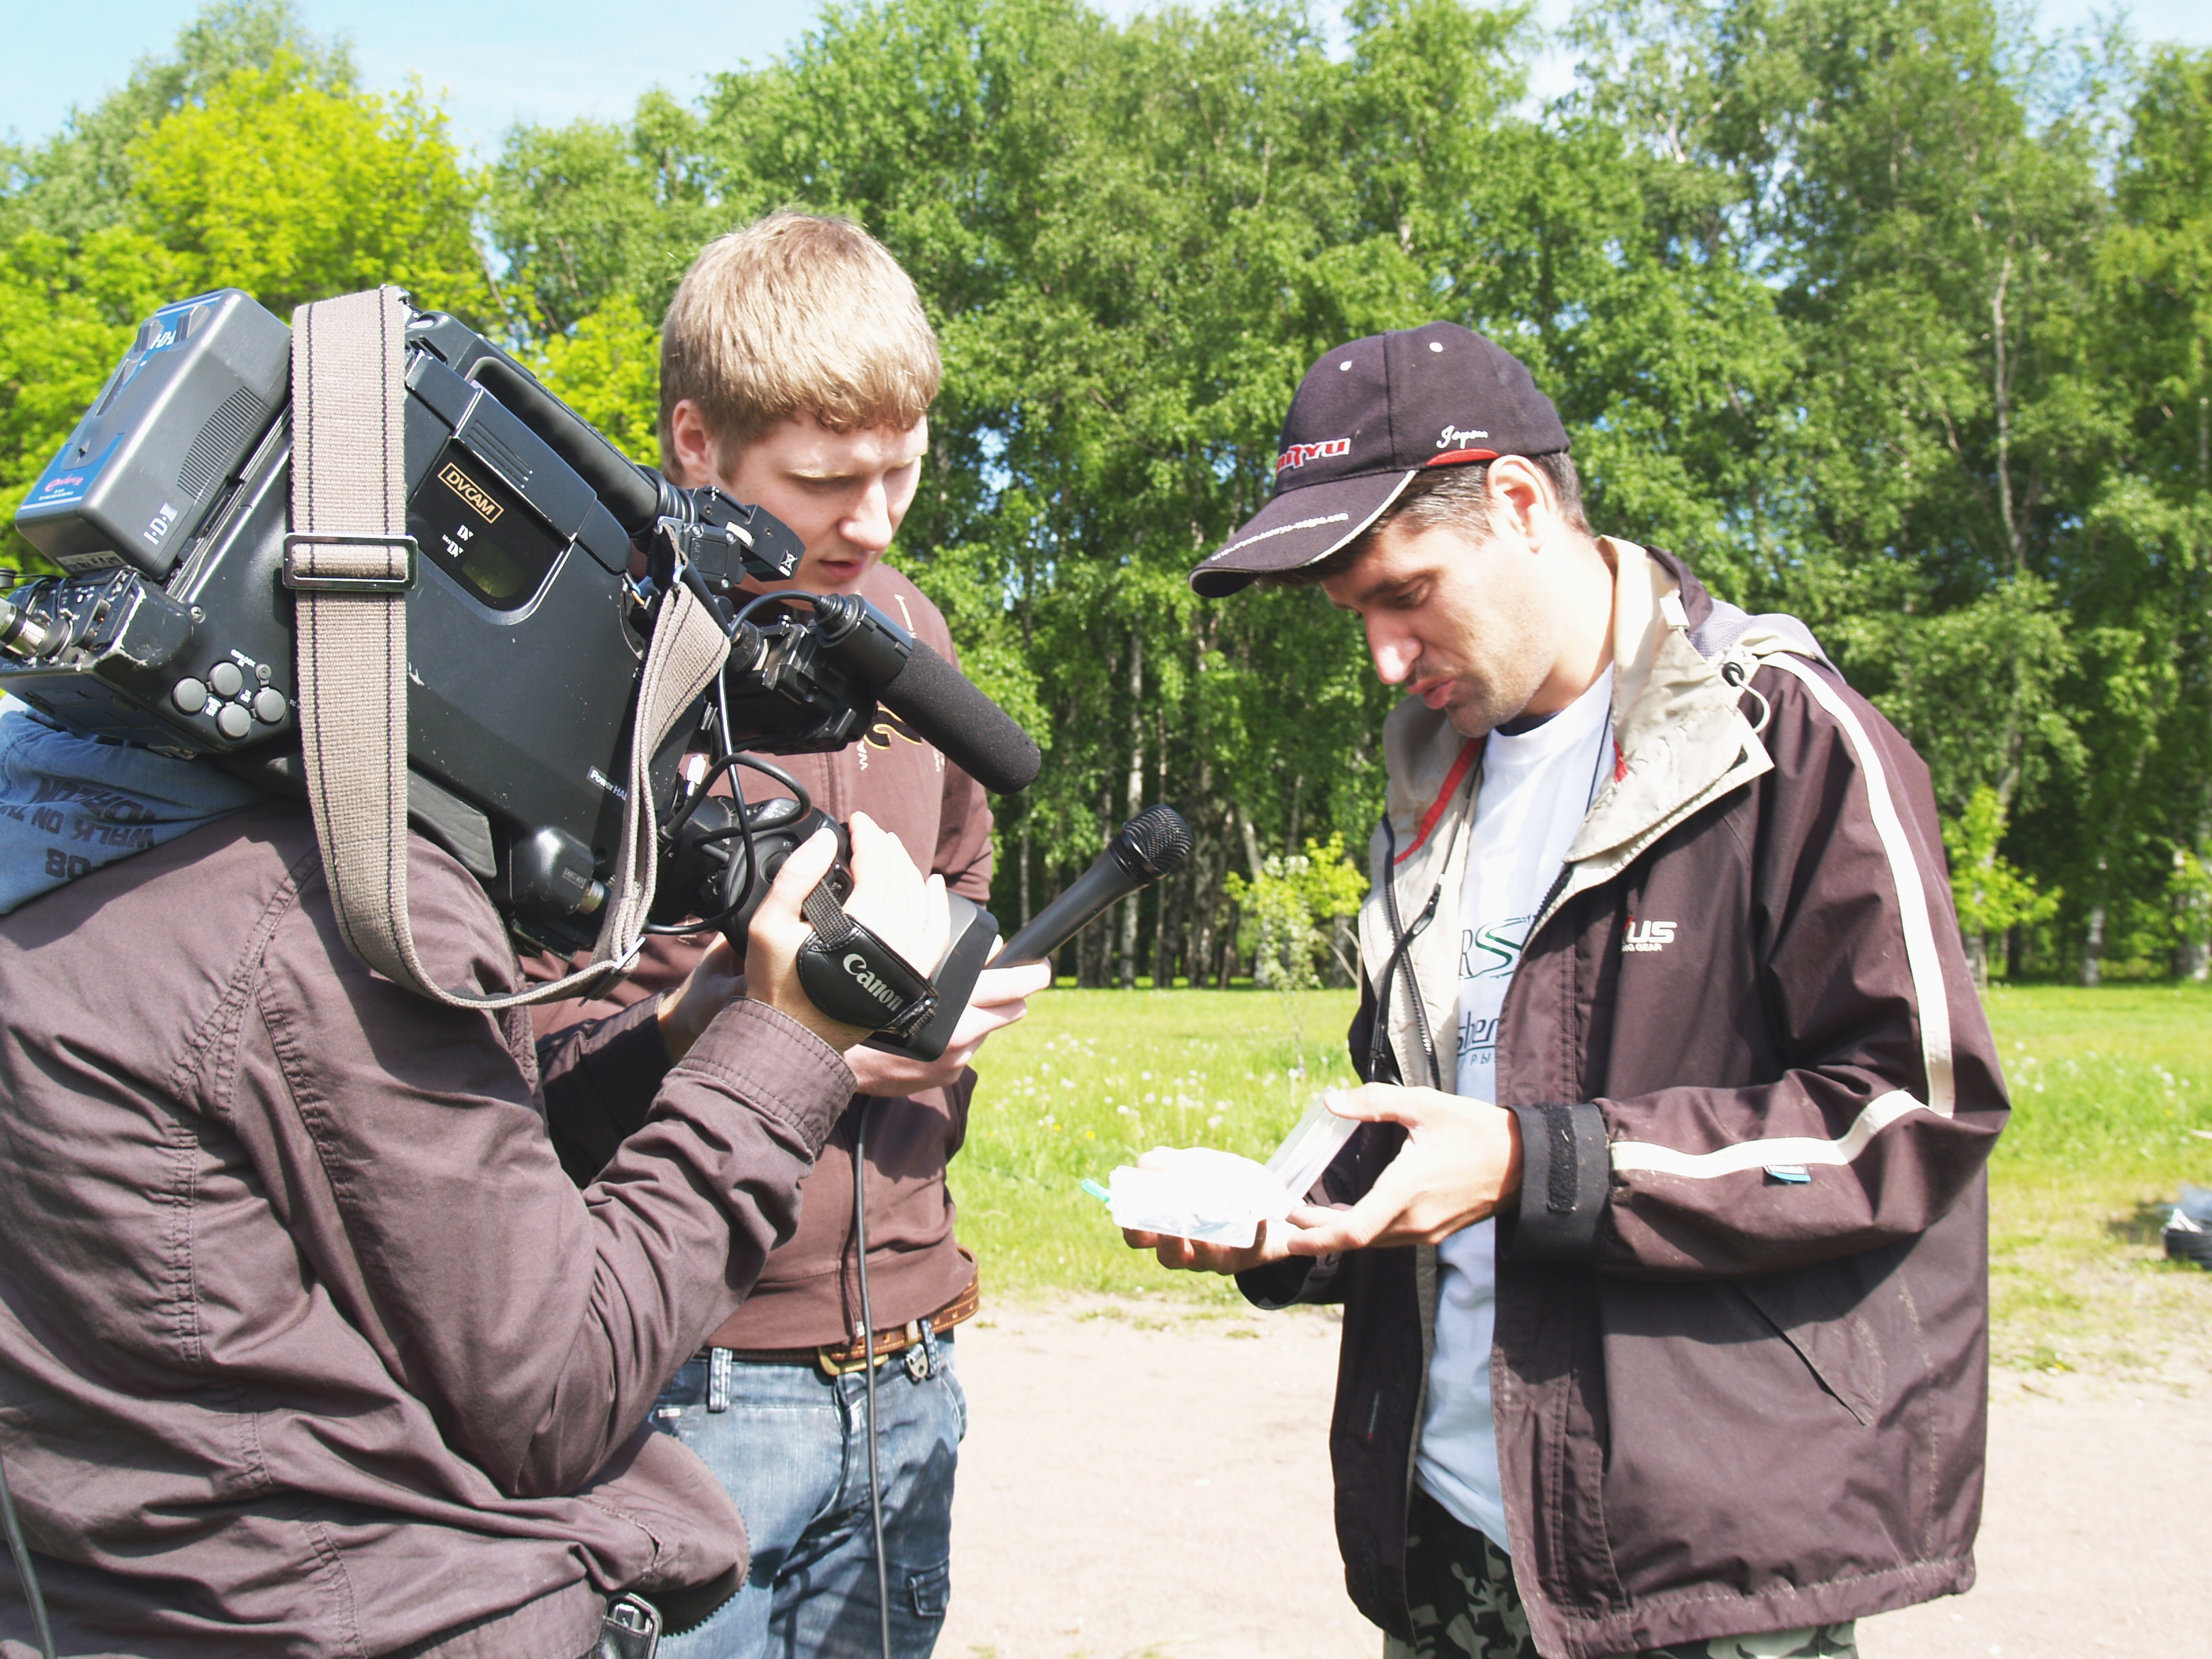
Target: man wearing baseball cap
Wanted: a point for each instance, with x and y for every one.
(1661, 1242)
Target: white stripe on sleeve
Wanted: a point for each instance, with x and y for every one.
(1880, 1113)
(1933, 1005)
(1929, 995)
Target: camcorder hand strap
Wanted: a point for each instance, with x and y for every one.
(850, 974)
(350, 563)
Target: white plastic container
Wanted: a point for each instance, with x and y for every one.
(1215, 1197)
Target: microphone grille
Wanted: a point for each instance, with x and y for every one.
(1158, 838)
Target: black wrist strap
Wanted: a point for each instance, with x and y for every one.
(851, 975)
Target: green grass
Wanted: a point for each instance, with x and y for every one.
(2111, 1111)
(2109, 1086)
(1092, 1079)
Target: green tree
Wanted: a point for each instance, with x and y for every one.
(249, 158)
(2155, 505)
(607, 368)
(1990, 895)
(64, 322)
(1294, 906)
(294, 190)
(1890, 312)
(591, 211)
(79, 181)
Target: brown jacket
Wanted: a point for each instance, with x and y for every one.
(808, 1291)
(1739, 1368)
(307, 1344)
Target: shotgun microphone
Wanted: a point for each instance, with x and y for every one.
(1150, 845)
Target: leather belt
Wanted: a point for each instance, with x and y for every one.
(837, 1360)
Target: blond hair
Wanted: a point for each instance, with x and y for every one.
(798, 313)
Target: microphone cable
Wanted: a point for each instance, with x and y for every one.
(868, 1362)
(29, 1574)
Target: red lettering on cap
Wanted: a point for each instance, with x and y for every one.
(1298, 454)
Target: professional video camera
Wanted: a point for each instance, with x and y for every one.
(537, 563)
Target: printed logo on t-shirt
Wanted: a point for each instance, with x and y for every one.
(1479, 1037)
(1493, 950)
(1488, 954)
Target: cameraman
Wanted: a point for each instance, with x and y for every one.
(308, 1345)
(796, 371)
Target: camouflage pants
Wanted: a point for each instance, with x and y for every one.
(1459, 1588)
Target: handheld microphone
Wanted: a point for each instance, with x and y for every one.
(1150, 845)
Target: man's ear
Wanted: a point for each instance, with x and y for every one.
(691, 446)
(1522, 497)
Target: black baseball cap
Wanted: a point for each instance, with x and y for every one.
(1367, 418)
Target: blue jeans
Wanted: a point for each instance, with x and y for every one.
(792, 1448)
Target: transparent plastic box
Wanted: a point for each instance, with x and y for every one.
(1215, 1197)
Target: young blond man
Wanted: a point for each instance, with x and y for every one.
(797, 373)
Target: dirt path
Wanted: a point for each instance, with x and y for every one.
(1145, 1485)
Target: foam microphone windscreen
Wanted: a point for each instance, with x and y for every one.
(933, 697)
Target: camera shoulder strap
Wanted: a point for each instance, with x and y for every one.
(350, 563)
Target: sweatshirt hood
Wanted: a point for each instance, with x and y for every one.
(71, 805)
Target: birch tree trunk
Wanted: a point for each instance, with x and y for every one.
(1136, 800)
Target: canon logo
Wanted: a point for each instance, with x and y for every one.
(857, 966)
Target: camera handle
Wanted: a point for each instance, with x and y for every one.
(350, 563)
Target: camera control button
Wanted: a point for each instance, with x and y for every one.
(225, 679)
(189, 695)
(233, 721)
(269, 705)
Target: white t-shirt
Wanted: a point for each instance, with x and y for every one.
(1536, 787)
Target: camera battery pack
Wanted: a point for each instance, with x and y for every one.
(203, 380)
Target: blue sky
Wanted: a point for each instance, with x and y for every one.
(498, 61)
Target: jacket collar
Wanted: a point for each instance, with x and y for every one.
(1679, 734)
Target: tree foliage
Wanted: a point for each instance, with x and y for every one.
(1893, 312)
(248, 158)
(1293, 905)
(293, 191)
